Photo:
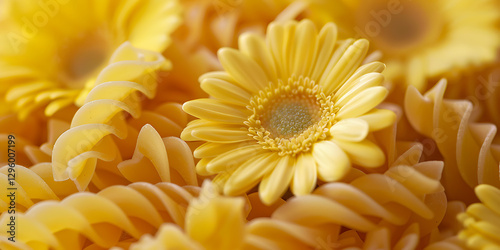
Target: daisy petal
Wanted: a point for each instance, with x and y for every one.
(352, 129)
(222, 133)
(201, 167)
(305, 174)
(275, 183)
(346, 65)
(305, 41)
(332, 161)
(379, 119)
(364, 153)
(324, 49)
(243, 69)
(249, 173)
(224, 90)
(363, 102)
(210, 149)
(348, 91)
(233, 157)
(255, 47)
(214, 110)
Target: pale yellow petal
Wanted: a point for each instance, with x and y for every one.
(345, 66)
(243, 69)
(304, 46)
(233, 158)
(352, 129)
(305, 174)
(255, 47)
(275, 183)
(379, 118)
(214, 110)
(363, 102)
(325, 47)
(333, 163)
(250, 173)
(364, 153)
(223, 133)
(226, 91)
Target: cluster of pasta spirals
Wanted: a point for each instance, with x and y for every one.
(406, 197)
(155, 160)
(466, 147)
(117, 91)
(228, 229)
(115, 214)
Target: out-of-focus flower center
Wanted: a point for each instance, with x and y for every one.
(82, 58)
(398, 27)
(405, 27)
(290, 117)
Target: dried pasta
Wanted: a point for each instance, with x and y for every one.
(114, 214)
(119, 88)
(466, 146)
(408, 196)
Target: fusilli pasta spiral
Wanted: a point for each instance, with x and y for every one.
(114, 214)
(467, 148)
(118, 88)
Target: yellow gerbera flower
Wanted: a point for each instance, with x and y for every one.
(288, 109)
(51, 52)
(423, 39)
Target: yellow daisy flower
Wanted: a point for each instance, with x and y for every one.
(287, 110)
(420, 40)
(51, 51)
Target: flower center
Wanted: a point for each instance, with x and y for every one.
(396, 28)
(82, 58)
(289, 117)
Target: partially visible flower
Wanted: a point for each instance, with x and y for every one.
(287, 110)
(51, 52)
(420, 40)
(482, 220)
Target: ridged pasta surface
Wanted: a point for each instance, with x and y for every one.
(118, 92)
(115, 214)
(408, 197)
(466, 146)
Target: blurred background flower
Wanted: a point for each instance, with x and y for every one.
(52, 51)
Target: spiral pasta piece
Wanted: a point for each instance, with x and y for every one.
(466, 147)
(398, 199)
(158, 159)
(33, 185)
(482, 220)
(118, 213)
(218, 222)
(118, 90)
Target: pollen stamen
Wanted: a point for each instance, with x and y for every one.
(290, 117)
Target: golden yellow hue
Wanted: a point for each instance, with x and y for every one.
(288, 109)
(51, 52)
(420, 40)
(215, 222)
(378, 130)
(103, 219)
(482, 220)
(471, 156)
